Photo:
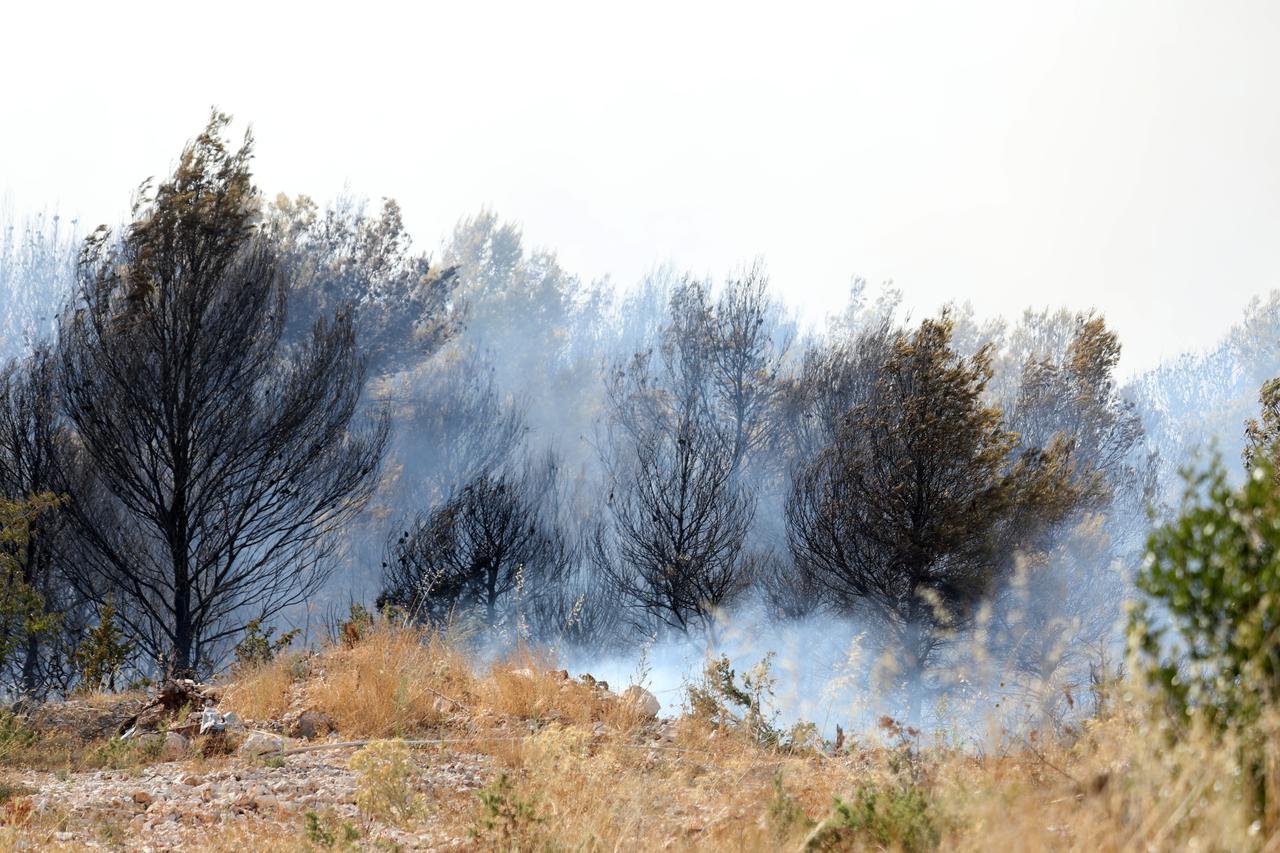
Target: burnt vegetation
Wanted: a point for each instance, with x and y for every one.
(237, 411)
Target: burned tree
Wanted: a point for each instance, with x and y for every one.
(1064, 602)
(221, 464)
(455, 424)
(911, 514)
(491, 541)
(345, 259)
(676, 550)
(745, 355)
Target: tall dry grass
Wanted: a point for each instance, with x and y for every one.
(393, 682)
(261, 692)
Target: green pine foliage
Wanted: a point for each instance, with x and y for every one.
(22, 608)
(103, 652)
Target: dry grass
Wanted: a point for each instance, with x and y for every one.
(262, 693)
(393, 683)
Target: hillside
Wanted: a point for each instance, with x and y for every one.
(393, 739)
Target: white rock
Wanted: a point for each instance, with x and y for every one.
(211, 722)
(175, 746)
(645, 701)
(261, 743)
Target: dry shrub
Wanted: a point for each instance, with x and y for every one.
(1126, 783)
(527, 686)
(395, 681)
(385, 788)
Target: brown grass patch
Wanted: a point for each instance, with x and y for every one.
(395, 682)
(262, 692)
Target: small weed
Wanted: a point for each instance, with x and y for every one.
(111, 834)
(120, 754)
(316, 831)
(15, 737)
(9, 792)
(507, 816)
(327, 832)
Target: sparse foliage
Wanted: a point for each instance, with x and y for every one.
(257, 647)
(22, 608)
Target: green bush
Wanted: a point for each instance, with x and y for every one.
(256, 646)
(22, 608)
(1206, 635)
(719, 698)
(103, 652)
(329, 832)
(893, 818)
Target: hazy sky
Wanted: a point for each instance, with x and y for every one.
(1118, 155)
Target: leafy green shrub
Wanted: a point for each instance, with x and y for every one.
(893, 818)
(1207, 635)
(257, 648)
(719, 698)
(103, 652)
(22, 608)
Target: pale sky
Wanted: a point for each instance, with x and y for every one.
(1123, 156)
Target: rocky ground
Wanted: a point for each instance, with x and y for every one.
(178, 804)
(185, 772)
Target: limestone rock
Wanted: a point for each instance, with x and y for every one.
(262, 743)
(175, 746)
(307, 724)
(642, 699)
